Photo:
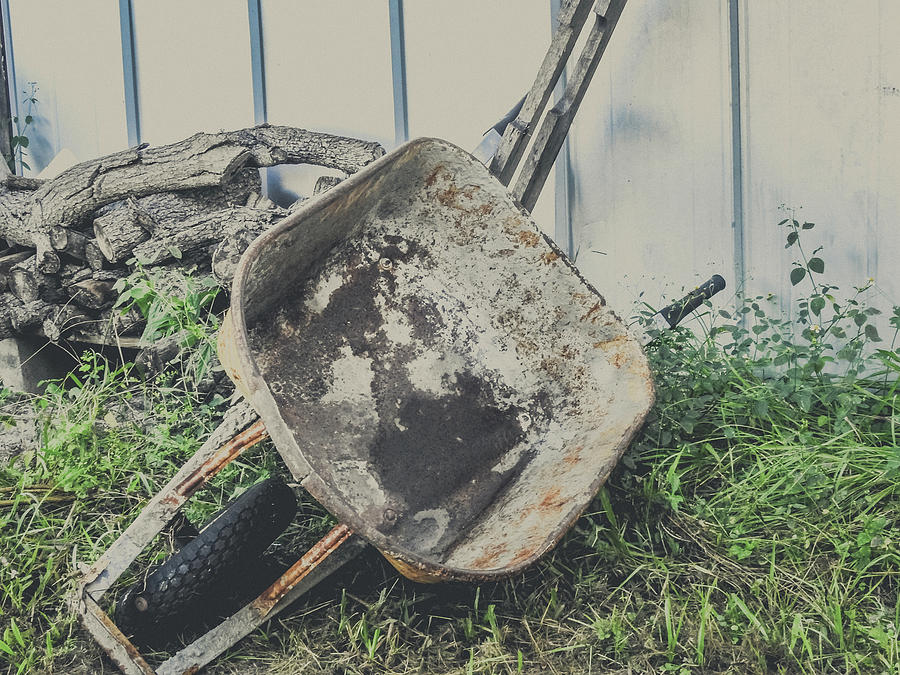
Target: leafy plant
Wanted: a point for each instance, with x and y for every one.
(20, 139)
(178, 305)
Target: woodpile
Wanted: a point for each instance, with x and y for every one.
(191, 206)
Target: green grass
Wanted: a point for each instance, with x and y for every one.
(752, 527)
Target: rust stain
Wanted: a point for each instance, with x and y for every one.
(552, 500)
(512, 225)
(612, 342)
(574, 457)
(222, 457)
(485, 210)
(522, 555)
(551, 367)
(451, 195)
(526, 347)
(619, 356)
(550, 256)
(592, 312)
(113, 630)
(412, 572)
(488, 559)
(529, 238)
(310, 560)
(432, 177)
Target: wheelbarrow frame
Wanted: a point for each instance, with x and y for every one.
(242, 429)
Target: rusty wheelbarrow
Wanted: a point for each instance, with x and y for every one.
(429, 365)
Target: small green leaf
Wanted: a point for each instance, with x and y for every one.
(29, 119)
(23, 141)
(791, 239)
(817, 304)
(872, 333)
(817, 265)
(784, 222)
(808, 226)
(797, 275)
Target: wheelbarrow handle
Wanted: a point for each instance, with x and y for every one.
(492, 138)
(504, 122)
(675, 312)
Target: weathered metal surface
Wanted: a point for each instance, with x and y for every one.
(124, 654)
(223, 456)
(207, 647)
(453, 388)
(229, 439)
(310, 560)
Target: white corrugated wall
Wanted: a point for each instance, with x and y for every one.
(651, 198)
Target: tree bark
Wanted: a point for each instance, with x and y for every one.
(93, 294)
(120, 230)
(203, 160)
(93, 255)
(171, 210)
(325, 183)
(29, 284)
(31, 315)
(70, 242)
(8, 302)
(204, 231)
(64, 321)
(154, 358)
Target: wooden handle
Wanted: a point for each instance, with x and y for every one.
(552, 133)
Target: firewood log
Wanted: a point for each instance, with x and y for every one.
(204, 231)
(203, 160)
(8, 302)
(29, 284)
(120, 230)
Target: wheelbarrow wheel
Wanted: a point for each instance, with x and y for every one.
(219, 561)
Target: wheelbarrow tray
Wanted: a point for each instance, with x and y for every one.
(432, 368)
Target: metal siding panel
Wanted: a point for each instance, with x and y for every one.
(328, 68)
(822, 138)
(81, 103)
(193, 67)
(651, 156)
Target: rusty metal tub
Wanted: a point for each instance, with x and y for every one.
(432, 368)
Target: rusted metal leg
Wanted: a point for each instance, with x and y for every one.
(336, 548)
(118, 647)
(239, 430)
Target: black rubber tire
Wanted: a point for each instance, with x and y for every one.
(173, 595)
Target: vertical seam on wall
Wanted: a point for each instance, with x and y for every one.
(873, 194)
(129, 72)
(398, 71)
(258, 76)
(737, 160)
(11, 86)
(257, 62)
(562, 207)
